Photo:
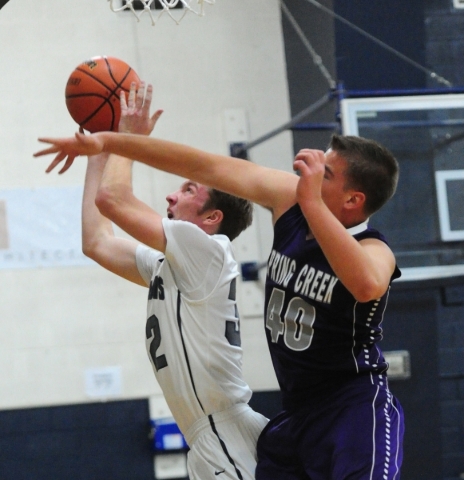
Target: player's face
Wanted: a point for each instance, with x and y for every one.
(333, 189)
(187, 202)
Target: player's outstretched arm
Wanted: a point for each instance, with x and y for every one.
(271, 188)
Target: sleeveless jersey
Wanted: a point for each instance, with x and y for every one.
(192, 330)
(319, 336)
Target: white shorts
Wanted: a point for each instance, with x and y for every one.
(223, 445)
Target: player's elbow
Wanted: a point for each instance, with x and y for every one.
(106, 201)
(368, 291)
(92, 245)
(89, 250)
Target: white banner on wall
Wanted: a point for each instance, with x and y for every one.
(41, 228)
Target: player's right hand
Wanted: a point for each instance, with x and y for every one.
(310, 164)
(69, 148)
(135, 111)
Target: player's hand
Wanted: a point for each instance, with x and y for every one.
(135, 112)
(67, 149)
(311, 166)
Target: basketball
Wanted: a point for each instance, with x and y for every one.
(92, 92)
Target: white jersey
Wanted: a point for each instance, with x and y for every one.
(192, 331)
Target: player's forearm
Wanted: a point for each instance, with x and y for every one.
(182, 160)
(115, 184)
(348, 258)
(95, 227)
(271, 188)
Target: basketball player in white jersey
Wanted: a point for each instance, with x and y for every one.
(192, 331)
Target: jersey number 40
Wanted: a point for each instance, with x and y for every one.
(296, 324)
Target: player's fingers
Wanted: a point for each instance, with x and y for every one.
(304, 155)
(298, 165)
(122, 100)
(303, 168)
(156, 115)
(47, 140)
(147, 101)
(140, 95)
(55, 162)
(310, 154)
(131, 100)
(46, 151)
(68, 163)
(148, 95)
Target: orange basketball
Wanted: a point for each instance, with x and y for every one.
(92, 92)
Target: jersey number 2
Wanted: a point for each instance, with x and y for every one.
(296, 324)
(153, 328)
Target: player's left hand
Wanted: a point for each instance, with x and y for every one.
(135, 111)
(311, 166)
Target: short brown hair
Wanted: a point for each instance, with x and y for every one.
(372, 169)
(238, 212)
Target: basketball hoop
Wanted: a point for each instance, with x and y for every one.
(166, 7)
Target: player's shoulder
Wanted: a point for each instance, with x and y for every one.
(289, 215)
(365, 231)
(148, 261)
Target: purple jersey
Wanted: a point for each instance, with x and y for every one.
(320, 337)
(339, 419)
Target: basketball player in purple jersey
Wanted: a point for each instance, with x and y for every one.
(327, 286)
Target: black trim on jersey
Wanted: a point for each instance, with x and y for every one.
(224, 448)
(179, 323)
